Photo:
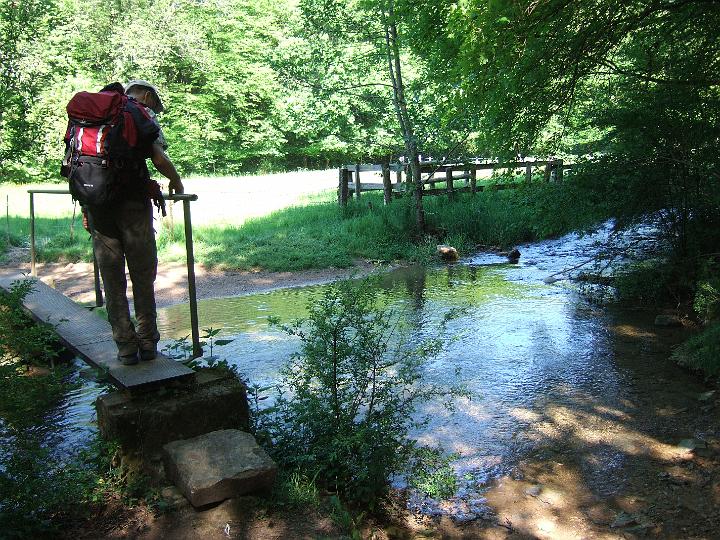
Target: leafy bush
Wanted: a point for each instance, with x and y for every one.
(431, 473)
(38, 492)
(706, 302)
(647, 283)
(701, 352)
(21, 340)
(348, 399)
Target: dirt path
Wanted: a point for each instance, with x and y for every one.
(75, 280)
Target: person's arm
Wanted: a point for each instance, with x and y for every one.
(166, 167)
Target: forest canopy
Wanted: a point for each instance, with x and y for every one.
(630, 87)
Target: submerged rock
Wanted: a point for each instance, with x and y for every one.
(669, 321)
(513, 255)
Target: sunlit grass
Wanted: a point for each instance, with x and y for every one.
(317, 233)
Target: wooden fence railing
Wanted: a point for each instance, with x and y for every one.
(434, 172)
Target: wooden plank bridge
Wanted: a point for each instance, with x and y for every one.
(90, 338)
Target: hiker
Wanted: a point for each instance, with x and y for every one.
(122, 228)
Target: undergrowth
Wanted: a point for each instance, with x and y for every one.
(41, 491)
(347, 400)
(701, 352)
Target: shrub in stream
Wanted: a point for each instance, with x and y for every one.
(349, 397)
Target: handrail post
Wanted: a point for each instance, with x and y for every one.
(33, 270)
(192, 292)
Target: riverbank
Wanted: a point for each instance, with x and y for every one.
(75, 280)
(315, 233)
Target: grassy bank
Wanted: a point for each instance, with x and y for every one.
(320, 234)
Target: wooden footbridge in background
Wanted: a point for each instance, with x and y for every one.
(89, 336)
(434, 172)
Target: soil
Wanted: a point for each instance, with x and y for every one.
(75, 280)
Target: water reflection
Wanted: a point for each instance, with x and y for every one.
(522, 345)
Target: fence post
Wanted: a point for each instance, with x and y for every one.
(192, 291)
(449, 183)
(343, 187)
(559, 174)
(387, 186)
(528, 172)
(398, 177)
(357, 181)
(548, 168)
(33, 271)
(473, 181)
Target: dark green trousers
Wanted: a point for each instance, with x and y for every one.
(123, 233)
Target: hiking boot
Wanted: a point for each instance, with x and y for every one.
(128, 359)
(148, 354)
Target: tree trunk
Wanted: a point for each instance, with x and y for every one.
(400, 105)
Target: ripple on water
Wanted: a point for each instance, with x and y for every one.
(526, 350)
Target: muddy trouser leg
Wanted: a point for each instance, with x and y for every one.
(136, 224)
(110, 255)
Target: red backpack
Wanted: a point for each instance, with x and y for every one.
(107, 140)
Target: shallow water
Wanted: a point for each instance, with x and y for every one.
(521, 345)
(70, 426)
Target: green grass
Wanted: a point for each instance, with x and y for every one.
(320, 234)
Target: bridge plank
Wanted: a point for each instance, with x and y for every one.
(90, 337)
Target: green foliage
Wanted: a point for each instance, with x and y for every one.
(26, 396)
(707, 295)
(646, 283)
(40, 493)
(22, 342)
(182, 349)
(295, 490)
(701, 352)
(348, 398)
(430, 473)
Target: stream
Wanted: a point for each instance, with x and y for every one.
(525, 345)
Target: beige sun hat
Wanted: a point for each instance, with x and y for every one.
(140, 82)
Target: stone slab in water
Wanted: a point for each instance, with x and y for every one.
(218, 465)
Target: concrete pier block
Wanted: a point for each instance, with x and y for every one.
(144, 423)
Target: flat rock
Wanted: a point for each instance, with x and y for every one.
(218, 466)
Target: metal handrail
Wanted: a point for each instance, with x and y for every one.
(186, 199)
